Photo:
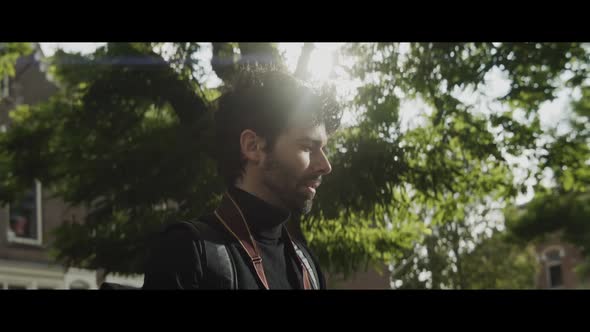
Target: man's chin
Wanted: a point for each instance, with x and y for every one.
(300, 202)
(304, 207)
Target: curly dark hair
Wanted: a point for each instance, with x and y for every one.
(267, 100)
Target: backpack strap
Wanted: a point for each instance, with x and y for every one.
(305, 259)
(231, 217)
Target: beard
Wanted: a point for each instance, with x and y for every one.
(285, 183)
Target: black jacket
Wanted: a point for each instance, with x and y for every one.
(177, 258)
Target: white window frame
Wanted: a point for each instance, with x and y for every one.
(13, 238)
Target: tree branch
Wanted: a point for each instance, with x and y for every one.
(301, 71)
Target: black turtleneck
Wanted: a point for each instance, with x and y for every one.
(266, 223)
(176, 259)
(264, 220)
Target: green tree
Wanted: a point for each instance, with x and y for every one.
(562, 208)
(457, 156)
(130, 131)
(9, 53)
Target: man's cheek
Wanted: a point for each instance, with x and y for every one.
(301, 162)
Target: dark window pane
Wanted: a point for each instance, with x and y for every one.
(23, 216)
(555, 276)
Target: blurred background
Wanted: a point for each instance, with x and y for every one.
(457, 165)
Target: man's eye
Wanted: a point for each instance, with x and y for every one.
(306, 148)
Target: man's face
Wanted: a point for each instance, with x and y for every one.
(294, 167)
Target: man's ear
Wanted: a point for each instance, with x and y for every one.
(251, 146)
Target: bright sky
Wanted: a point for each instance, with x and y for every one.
(321, 65)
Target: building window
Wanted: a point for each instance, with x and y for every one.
(25, 218)
(554, 270)
(555, 276)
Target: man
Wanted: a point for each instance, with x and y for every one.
(271, 134)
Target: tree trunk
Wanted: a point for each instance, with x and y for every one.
(301, 71)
